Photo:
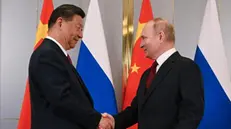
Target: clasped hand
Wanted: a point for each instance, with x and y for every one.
(107, 122)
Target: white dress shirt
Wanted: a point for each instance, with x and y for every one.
(162, 58)
(61, 47)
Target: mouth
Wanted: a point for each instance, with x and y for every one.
(145, 49)
(76, 39)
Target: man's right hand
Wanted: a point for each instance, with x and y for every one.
(107, 122)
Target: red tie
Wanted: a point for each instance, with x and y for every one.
(69, 58)
(152, 74)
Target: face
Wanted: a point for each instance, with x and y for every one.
(72, 31)
(150, 42)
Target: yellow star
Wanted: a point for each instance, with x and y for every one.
(135, 68)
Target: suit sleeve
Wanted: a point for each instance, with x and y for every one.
(191, 107)
(54, 84)
(127, 117)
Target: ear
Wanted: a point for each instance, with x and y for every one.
(59, 21)
(161, 36)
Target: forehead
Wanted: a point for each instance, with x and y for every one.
(148, 29)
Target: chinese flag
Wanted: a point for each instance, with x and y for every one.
(138, 63)
(25, 116)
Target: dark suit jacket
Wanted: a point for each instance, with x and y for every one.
(59, 98)
(175, 99)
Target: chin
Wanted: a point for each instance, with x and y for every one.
(148, 56)
(72, 46)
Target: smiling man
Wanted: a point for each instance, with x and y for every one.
(59, 98)
(170, 94)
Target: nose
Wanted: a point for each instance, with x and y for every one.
(80, 35)
(141, 43)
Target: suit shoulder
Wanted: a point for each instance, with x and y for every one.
(45, 48)
(187, 63)
(43, 52)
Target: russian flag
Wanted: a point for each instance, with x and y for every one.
(210, 56)
(93, 62)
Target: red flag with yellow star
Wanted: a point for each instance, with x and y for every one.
(25, 116)
(139, 62)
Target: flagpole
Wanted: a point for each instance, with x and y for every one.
(128, 30)
(37, 14)
(173, 11)
(218, 8)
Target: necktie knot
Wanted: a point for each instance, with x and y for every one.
(151, 74)
(69, 59)
(153, 68)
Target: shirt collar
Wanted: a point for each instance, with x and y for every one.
(60, 46)
(162, 58)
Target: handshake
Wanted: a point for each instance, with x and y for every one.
(107, 122)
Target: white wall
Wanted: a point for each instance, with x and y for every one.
(18, 20)
(0, 57)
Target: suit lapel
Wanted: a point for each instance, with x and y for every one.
(63, 56)
(82, 83)
(142, 87)
(160, 75)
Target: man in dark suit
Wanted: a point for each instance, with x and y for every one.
(59, 98)
(170, 94)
